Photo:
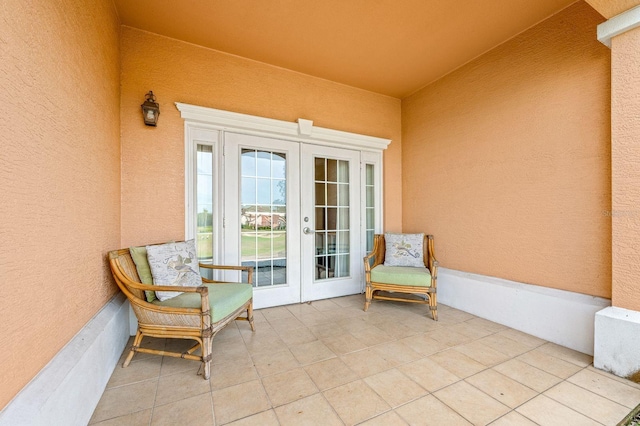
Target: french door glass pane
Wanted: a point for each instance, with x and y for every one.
(331, 218)
(263, 220)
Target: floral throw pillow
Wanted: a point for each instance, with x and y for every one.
(404, 250)
(174, 264)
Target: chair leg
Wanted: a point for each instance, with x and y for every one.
(132, 352)
(206, 356)
(367, 298)
(433, 305)
(250, 316)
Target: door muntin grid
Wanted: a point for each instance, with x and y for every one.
(263, 215)
(332, 218)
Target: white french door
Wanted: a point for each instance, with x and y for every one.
(262, 214)
(292, 212)
(330, 210)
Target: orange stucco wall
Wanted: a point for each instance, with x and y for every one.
(507, 160)
(153, 158)
(610, 8)
(59, 176)
(625, 153)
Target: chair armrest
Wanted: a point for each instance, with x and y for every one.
(249, 269)
(377, 254)
(199, 289)
(202, 290)
(367, 261)
(433, 263)
(151, 287)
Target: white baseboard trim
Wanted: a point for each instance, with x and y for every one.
(616, 341)
(67, 390)
(559, 316)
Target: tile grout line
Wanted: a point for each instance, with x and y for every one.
(283, 329)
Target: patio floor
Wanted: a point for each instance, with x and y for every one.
(329, 363)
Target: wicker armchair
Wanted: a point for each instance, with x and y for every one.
(199, 321)
(385, 282)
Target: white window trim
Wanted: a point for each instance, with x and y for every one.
(194, 136)
(302, 131)
(375, 159)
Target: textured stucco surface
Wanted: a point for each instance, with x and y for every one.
(625, 168)
(507, 160)
(59, 176)
(610, 8)
(153, 158)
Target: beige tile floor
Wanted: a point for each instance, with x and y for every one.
(329, 363)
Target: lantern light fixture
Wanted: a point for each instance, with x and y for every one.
(150, 109)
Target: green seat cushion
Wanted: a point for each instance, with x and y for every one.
(223, 299)
(401, 275)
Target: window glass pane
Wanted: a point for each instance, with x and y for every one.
(205, 160)
(343, 218)
(370, 174)
(248, 246)
(343, 195)
(343, 171)
(332, 194)
(248, 190)
(342, 267)
(321, 243)
(248, 214)
(321, 198)
(332, 170)
(264, 274)
(248, 162)
(204, 204)
(263, 164)
(369, 241)
(264, 191)
(204, 190)
(263, 243)
(331, 266)
(320, 218)
(332, 219)
(280, 217)
(279, 271)
(343, 242)
(278, 165)
(320, 168)
(321, 267)
(370, 196)
(331, 242)
(279, 242)
(370, 218)
(279, 191)
(369, 225)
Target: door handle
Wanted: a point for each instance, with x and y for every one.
(307, 230)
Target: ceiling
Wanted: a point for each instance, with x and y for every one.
(392, 47)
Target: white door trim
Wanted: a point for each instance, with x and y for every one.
(302, 131)
(209, 125)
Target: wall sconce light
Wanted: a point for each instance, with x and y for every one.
(150, 109)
